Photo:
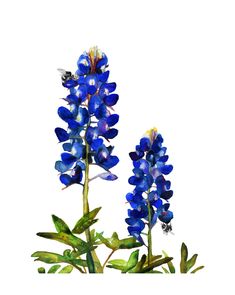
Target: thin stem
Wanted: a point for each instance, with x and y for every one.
(108, 259)
(150, 254)
(78, 268)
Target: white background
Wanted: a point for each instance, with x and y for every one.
(174, 65)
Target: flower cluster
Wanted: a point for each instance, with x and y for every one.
(150, 198)
(89, 117)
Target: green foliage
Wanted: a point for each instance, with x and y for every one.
(169, 264)
(185, 264)
(86, 221)
(114, 243)
(66, 269)
(54, 268)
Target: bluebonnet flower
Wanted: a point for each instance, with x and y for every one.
(89, 118)
(150, 198)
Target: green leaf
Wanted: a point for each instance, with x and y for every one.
(68, 239)
(90, 262)
(139, 265)
(60, 225)
(191, 262)
(86, 221)
(169, 264)
(154, 271)
(66, 269)
(198, 268)
(132, 261)
(54, 268)
(117, 264)
(114, 243)
(156, 264)
(184, 257)
(48, 257)
(41, 270)
(165, 270)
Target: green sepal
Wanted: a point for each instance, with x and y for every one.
(156, 264)
(114, 243)
(54, 268)
(169, 264)
(198, 268)
(191, 262)
(60, 225)
(66, 269)
(68, 239)
(86, 221)
(184, 257)
(41, 270)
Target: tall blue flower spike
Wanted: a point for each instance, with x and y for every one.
(150, 198)
(90, 119)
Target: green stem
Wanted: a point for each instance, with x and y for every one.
(94, 259)
(150, 254)
(108, 259)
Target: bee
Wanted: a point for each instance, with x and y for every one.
(66, 75)
(166, 227)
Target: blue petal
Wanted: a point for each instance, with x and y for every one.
(72, 98)
(91, 134)
(66, 179)
(64, 114)
(101, 112)
(61, 167)
(106, 88)
(166, 216)
(142, 164)
(67, 147)
(145, 144)
(68, 159)
(110, 162)
(112, 120)
(163, 159)
(102, 62)
(73, 124)
(137, 223)
(61, 134)
(111, 133)
(108, 176)
(102, 126)
(111, 99)
(83, 64)
(70, 83)
(166, 195)
(166, 169)
(135, 233)
(135, 156)
(82, 92)
(157, 203)
(77, 175)
(83, 116)
(96, 144)
(78, 150)
(103, 77)
(94, 102)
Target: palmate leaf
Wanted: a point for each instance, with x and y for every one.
(86, 221)
(114, 243)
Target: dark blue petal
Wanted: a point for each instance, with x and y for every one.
(102, 126)
(102, 62)
(111, 99)
(142, 164)
(138, 223)
(70, 83)
(61, 134)
(73, 124)
(64, 114)
(145, 144)
(83, 64)
(82, 92)
(103, 77)
(91, 134)
(166, 195)
(112, 120)
(106, 89)
(66, 179)
(111, 133)
(101, 112)
(166, 216)
(94, 102)
(68, 159)
(72, 98)
(96, 144)
(81, 165)
(135, 156)
(83, 116)
(166, 169)
(163, 159)
(110, 162)
(67, 147)
(135, 233)
(77, 175)
(157, 203)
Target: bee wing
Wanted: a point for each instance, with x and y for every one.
(62, 71)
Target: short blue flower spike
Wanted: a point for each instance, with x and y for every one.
(150, 198)
(90, 119)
